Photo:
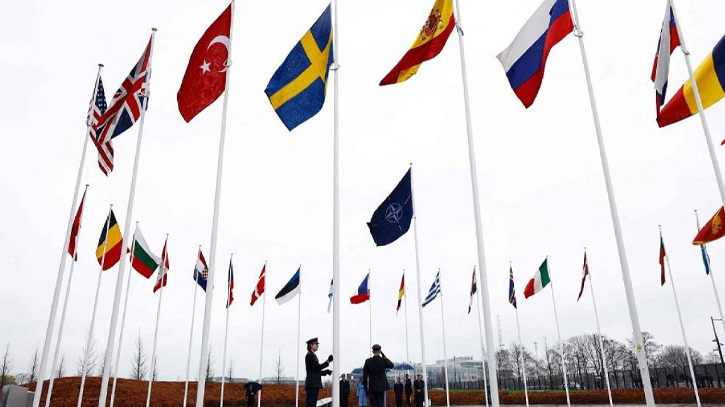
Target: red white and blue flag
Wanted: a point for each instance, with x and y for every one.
(363, 292)
(230, 284)
(96, 109)
(125, 109)
(661, 68)
(201, 271)
(512, 290)
(525, 59)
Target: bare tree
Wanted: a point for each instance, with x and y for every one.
(34, 365)
(101, 363)
(155, 372)
(88, 357)
(209, 367)
(60, 372)
(138, 362)
(6, 366)
(675, 356)
(278, 368)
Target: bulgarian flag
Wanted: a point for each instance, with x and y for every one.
(541, 279)
(142, 260)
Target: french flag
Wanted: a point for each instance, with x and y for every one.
(525, 59)
(363, 292)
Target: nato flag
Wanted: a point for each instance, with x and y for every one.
(392, 218)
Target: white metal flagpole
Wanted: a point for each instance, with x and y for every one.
(405, 294)
(445, 355)
(297, 344)
(521, 357)
(61, 268)
(191, 333)
(682, 328)
(712, 279)
(162, 272)
(261, 342)
(601, 338)
(558, 333)
(420, 292)
(484, 292)
(89, 339)
(614, 212)
(226, 335)
(201, 381)
(483, 349)
(337, 354)
(129, 214)
(123, 323)
(62, 317)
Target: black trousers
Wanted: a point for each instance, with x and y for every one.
(311, 397)
(407, 397)
(343, 400)
(419, 401)
(377, 399)
(398, 402)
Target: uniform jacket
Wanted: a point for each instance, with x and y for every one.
(314, 371)
(419, 386)
(344, 389)
(374, 374)
(408, 387)
(398, 390)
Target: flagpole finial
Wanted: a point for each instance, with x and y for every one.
(153, 29)
(88, 184)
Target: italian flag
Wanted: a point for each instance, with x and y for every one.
(144, 261)
(541, 279)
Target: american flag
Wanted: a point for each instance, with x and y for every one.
(125, 109)
(512, 291)
(96, 109)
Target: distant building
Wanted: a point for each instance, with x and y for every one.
(460, 370)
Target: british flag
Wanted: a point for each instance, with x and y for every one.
(125, 110)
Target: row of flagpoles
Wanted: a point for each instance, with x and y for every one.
(208, 76)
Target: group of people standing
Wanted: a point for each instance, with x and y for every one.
(373, 385)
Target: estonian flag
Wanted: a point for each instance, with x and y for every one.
(290, 290)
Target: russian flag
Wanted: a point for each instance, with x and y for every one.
(363, 292)
(525, 59)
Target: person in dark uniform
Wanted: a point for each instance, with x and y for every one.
(398, 390)
(408, 388)
(315, 371)
(344, 390)
(374, 379)
(419, 387)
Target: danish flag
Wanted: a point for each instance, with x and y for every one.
(125, 110)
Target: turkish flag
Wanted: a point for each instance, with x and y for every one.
(205, 77)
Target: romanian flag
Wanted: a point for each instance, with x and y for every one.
(712, 230)
(710, 78)
(110, 244)
(401, 293)
(429, 43)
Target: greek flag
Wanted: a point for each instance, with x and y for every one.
(435, 289)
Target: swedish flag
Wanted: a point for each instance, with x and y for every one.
(297, 89)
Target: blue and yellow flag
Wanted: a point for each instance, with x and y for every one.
(297, 89)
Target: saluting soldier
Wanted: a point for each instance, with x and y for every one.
(374, 379)
(315, 371)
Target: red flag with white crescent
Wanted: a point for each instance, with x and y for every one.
(205, 77)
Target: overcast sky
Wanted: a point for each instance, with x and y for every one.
(540, 179)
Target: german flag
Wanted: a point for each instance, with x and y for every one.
(712, 230)
(110, 242)
(429, 43)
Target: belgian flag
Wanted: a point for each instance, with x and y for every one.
(110, 242)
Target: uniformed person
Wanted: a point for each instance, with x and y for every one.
(374, 379)
(315, 371)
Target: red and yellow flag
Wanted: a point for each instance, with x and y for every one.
(429, 43)
(110, 243)
(712, 230)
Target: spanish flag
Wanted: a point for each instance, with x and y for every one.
(110, 242)
(712, 230)
(429, 43)
(401, 293)
(710, 78)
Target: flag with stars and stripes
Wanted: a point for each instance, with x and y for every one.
(435, 289)
(96, 109)
(126, 107)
